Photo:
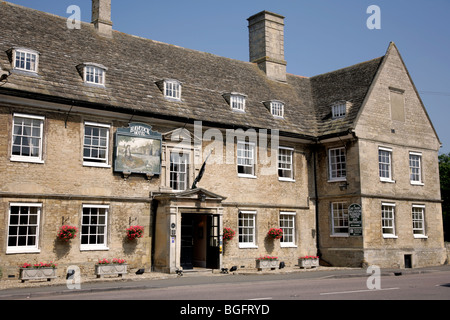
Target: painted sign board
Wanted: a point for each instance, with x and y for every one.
(355, 220)
(138, 150)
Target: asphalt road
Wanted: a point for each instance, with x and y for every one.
(353, 293)
(424, 286)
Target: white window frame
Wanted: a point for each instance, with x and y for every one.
(388, 222)
(96, 161)
(24, 249)
(96, 246)
(277, 109)
(246, 158)
(96, 73)
(418, 218)
(249, 216)
(339, 110)
(388, 165)
(237, 102)
(286, 163)
(339, 219)
(336, 168)
(172, 89)
(30, 158)
(28, 55)
(419, 168)
(179, 177)
(290, 218)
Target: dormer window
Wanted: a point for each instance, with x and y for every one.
(236, 101)
(277, 108)
(339, 110)
(93, 73)
(25, 59)
(172, 89)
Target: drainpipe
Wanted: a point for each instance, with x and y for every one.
(316, 195)
(153, 210)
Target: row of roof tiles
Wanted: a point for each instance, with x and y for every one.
(136, 64)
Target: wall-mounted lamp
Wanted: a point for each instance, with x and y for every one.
(343, 186)
(5, 75)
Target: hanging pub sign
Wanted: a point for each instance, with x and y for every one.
(355, 220)
(138, 150)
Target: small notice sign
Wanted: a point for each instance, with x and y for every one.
(355, 220)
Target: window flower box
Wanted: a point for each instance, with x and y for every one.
(40, 271)
(308, 262)
(267, 262)
(106, 268)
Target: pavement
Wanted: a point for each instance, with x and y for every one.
(15, 289)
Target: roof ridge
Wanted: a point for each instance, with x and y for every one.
(349, 67)
(128, 34)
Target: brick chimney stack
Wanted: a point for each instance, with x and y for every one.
(101, 17)
(266, 33)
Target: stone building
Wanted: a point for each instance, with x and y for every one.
(102, 130)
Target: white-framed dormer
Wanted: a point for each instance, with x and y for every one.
(24, 59)
(236, 101)
(275, 107)
(339, 109)
(93, 73)
(170, 88)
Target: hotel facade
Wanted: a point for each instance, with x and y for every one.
(103, 130)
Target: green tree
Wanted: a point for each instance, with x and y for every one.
(444, 174)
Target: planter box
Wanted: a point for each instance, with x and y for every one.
(266, 264)
(37, 274)
(111, 269)
(308, 263)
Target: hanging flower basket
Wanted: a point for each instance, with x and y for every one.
(228, 234)
(67, 233)
(135, 232)
(275, 233)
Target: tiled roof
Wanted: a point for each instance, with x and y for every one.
(350, 84)
(135, 65)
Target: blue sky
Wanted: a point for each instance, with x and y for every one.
(320, 35)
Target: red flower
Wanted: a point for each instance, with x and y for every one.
(134, 232)
(67, 233)
(275, 233)
(228, 234)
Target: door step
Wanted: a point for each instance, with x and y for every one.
(197, 271)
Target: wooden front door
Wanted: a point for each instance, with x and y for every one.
(187, 241)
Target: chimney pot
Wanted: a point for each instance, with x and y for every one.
(266, 35)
